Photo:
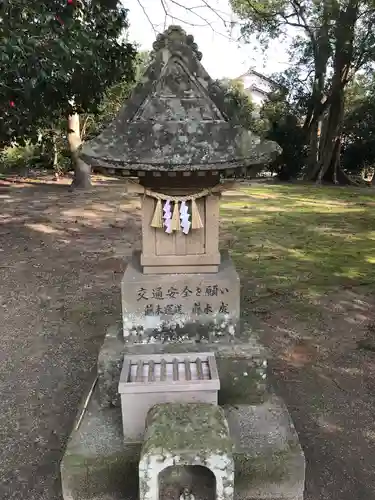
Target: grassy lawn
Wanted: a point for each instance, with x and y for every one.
(300, 241)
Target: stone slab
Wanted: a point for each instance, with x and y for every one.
(269, 462)
(180, 307)
(177, 269)
(96, 464)
(248, 366)
(242, 379)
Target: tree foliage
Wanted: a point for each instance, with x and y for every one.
(285, 118)
(238, 104)
(50, 150)
(333, 40)
(281, 124)
(358, 151)
(58, 57)
(113, 98)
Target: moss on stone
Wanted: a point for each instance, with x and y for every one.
(198, 427)
(129, 455)
(95, 475)
(241, 381)
(200, 135)
(271, 467)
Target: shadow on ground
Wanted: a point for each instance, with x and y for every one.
(61, 260)
(307, 268)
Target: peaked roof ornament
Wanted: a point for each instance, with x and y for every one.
(173, 36)
(175, 119)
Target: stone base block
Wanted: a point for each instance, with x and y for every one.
(96, 464)
(180, 307)
(269, 462)
(242, 365)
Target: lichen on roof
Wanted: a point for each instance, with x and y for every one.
(176, 119)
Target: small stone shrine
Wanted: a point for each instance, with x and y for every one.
(180, 407)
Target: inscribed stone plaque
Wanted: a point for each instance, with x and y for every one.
(180, 307)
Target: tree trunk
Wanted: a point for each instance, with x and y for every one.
(332, 173)
(312, 156)
(342, 63)
(317, 103)
(82, 171)
(55, 157)
(313, 163)
(344, 30)
(336, 161)
(332, 138)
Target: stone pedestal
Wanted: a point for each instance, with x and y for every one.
(180, 307)
(268, 459)
(241, 365)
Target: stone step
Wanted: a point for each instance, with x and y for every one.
(269, 461)
(242, 365)
(96, 464)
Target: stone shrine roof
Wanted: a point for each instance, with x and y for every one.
(175, 119)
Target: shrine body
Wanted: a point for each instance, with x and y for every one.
(181, 406)
(175, 138)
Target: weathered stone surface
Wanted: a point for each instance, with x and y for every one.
(109, 365)
(188, 307)
(242, 380)
(244, 354)
(96, 464)
(269, 461)
(192, 428)
(186, 435)
(176, 119)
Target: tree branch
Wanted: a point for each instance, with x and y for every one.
(216, 12)
(165, 4)
(165, 13)
(147, 16)
(363, 53)
(190, 9)
(300, 14)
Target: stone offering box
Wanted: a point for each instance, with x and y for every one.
(149, 380)
(182, 409)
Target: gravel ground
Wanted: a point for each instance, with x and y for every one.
(328, 385)
(61, 260)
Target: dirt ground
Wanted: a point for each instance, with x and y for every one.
(61, 260)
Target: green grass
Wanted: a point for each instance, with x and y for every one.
(301, 240)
